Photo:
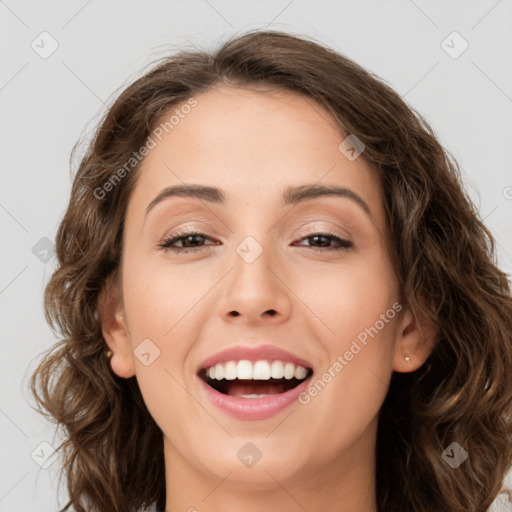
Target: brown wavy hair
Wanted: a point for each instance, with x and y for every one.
(443, 255)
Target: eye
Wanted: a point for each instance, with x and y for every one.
(325, 238)
(189, 241)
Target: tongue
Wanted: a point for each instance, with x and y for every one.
(251, 387)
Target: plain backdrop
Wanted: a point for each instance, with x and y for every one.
(62, 63)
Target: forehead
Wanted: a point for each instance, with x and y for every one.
(252, 144)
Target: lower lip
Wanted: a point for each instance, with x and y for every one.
(251, 409)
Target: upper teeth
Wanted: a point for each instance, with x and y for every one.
(257, 370)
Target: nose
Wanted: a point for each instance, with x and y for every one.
(255, 291)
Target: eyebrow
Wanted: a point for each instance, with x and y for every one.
(291, 195)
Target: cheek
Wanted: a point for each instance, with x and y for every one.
(161, 305)
(358, 307)
(351, 297)
(158, 299)
(158, 332)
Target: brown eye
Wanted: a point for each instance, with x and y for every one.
(324, 239)
(192, 240)
(188, 239)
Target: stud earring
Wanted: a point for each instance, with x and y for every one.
(408, 359)
(108, 354)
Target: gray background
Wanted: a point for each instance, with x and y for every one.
(48, 103)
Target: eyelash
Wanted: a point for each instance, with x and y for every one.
(166, 244)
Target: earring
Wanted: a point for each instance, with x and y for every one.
(408, 359)
(108, 354)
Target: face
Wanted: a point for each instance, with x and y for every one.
(284, 280)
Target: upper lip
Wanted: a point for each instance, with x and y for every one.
(253, 353)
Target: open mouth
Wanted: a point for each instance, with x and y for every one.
(228, 381)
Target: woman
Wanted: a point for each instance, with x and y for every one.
(273, 293)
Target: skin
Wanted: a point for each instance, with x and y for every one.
(252, 145)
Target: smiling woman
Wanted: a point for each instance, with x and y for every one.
(289, 301)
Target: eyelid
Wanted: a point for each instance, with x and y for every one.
(301, 230)
(319, 225)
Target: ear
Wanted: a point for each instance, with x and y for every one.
(115, 329)
(416, 340)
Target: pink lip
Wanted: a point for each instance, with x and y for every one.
(260, 353)
(253, 408)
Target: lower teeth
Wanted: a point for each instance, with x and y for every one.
(251, 396)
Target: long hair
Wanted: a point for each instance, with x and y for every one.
(443, 255)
